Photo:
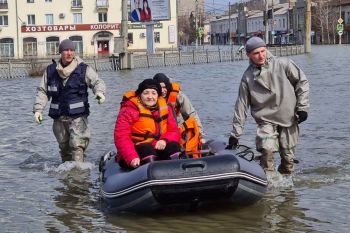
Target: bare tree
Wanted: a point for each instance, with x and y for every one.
(186, 30)
(325, 20)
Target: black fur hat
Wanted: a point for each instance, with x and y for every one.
(149, 84)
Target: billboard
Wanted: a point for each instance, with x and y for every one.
(149, 10)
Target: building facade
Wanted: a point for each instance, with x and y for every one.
(34, 28)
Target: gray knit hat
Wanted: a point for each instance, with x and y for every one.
(66, 44)
(254, 43)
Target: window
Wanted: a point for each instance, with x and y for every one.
(76, 3)
(157, 37)
(30, 1)
(6, 47)
(49, 19)
(103, 3)
(52, 44)
(130, 38)
(77, 18)
(78, 42)
(30, 47)
(4, 20)
(102, 17)
(48, 0)
(31, 19)
(3, 1)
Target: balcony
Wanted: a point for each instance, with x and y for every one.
(76, 5)
(102, 4)
(4, 6)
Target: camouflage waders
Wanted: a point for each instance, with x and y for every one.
(73, 136)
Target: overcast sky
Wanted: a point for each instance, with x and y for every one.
(219, 6)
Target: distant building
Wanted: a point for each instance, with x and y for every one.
(34, 28)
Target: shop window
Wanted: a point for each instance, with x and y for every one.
(6, 47)
(78, 42)
(52, 44)
(30, 47)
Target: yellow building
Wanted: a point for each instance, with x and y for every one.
(34, 28)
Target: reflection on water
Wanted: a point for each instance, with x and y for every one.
(73, 199)
(35, 187)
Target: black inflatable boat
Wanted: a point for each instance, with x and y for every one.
(222, 176)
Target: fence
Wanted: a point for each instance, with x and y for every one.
(35, 67)
(205, 56)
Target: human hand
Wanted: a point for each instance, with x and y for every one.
(100, 98)
(160, 145)
(203, 141)
(38, 117)
(135, 162)
(232, 143)
(302, 116)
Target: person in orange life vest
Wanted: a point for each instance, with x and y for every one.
(145, 129)
(184, 108)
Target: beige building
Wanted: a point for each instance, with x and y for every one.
(34, 28)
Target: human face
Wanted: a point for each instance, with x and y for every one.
(137, 3)
(67, 56)
(258, 56)
(149, 97)
(164, 90)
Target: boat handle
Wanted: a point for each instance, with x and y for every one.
(193, 164)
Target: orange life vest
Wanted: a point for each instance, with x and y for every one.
(144, 130)
(173, 95)
(190, 139)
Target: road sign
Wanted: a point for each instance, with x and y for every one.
(340, 27)
(340, 33)
(340, 20)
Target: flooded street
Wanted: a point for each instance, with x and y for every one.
(39, 194)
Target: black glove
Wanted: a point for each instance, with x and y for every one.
(302, 116)
(232, 143)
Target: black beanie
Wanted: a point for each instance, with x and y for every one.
(162, 78)
(149, 84)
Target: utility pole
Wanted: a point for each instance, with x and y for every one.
(272, 24)
(196, 26)
(266, 22)
(17, 30)
(340, 33)
(124, 35)
(229, 22)
(307, 39)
